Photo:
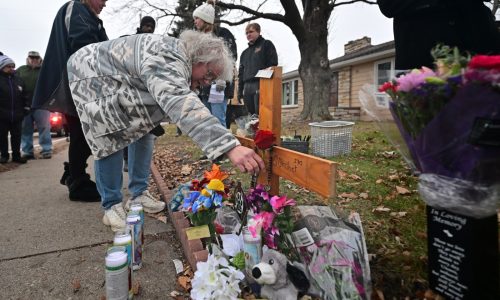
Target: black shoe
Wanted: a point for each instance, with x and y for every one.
(4, 160)
(83, 189)
(19, 159)
(65, 174)
(29, 156)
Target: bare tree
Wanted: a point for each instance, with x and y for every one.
(309, 25)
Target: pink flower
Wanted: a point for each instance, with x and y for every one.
(260, 221)
(278, 203)
(414, 79)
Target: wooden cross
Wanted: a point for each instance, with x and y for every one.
(311, 172)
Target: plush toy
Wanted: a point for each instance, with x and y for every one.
(278, 277)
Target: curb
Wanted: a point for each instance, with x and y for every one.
(193, 249)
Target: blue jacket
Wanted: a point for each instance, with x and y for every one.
(75, 26)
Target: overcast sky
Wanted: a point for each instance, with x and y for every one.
(25, 25)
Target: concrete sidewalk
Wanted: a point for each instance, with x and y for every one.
(49, 244)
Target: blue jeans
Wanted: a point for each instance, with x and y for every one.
(219, 111)
(41, 117)
(109, 171)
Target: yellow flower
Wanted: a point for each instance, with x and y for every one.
(215, 185)
(205, 193)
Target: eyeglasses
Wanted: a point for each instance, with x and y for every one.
(210, 75)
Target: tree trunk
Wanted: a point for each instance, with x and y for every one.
(314, 68)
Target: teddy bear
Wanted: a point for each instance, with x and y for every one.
(278, 277)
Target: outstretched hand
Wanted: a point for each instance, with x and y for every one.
(246, 159)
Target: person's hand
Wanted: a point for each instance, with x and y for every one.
(246, 159)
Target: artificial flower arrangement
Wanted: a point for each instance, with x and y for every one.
(272, 216)
(449, 118)
(204, 198)
(216, 279)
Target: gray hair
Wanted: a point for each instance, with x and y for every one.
(207, 48)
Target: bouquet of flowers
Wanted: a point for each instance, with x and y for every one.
(204, 198)
(450, 120)
(273, 217)
(216, 279)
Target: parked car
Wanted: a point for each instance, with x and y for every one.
(58, 124)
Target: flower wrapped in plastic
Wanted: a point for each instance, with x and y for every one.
(449, 119)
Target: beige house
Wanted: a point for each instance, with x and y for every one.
(363, 63)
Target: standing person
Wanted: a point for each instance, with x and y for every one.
(13, 106)
(215, 96)
(76, 24)
(420, 25)
(147, 25)
(137, 94)
(259, 55)
(29, 74)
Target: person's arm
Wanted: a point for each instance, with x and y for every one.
(270, 54)
(169, 85)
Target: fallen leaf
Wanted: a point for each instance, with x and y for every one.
(399, 214)
(393, 177)
(342, 174)
(355, 177)
(184, 282)
(162, 219)
(402, 190)
(348, 195)
(379, 181)
(76, 285)
(406, 253)
(363, 195)
(176, 294)
(382, 209)
(186, 169)
(136, 287)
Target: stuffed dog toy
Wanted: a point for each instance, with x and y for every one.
(279, 279)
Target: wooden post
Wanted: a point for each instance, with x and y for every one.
(313, 173)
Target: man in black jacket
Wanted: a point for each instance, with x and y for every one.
(419, 25)
(260, 54)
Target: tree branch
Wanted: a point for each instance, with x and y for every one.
(334, 3)
(257, 14)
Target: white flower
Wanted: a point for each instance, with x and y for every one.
(216, 279)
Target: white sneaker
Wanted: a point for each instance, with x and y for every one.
(115, 217)
(149, 203)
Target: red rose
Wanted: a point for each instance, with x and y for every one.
(264, 139)
(485, 62)
(219, 228)
(387, 86)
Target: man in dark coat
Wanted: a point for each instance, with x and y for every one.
(419, 25)
(13, 106)
(41, 117)
(259, 55)
(76, 25)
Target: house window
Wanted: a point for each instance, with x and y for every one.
(384, 71)
(290, 93)
(334, 90)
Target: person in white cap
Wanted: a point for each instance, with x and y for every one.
(216, 95)
(13, 106)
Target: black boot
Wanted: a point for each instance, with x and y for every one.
(65, 175)
(83, 189)
(19, 159)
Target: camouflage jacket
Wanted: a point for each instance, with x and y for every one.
(125, 87)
